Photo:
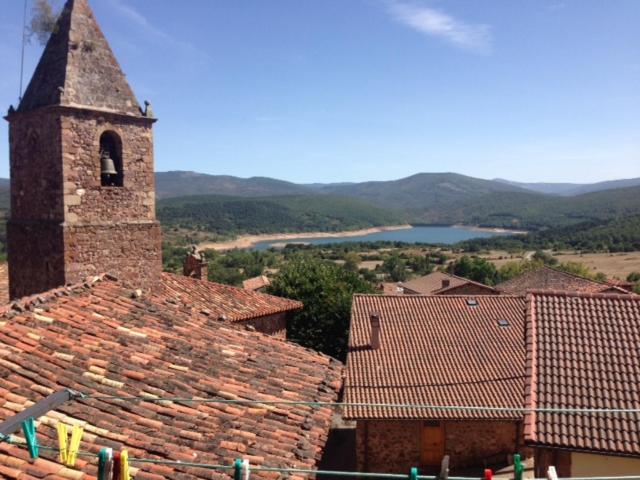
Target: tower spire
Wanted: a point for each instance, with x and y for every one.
(78, 68)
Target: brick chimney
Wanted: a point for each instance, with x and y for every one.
(445, 282)
(195, 265)
(374, 319)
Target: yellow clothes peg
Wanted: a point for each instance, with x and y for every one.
(69, 450)
(124, 465)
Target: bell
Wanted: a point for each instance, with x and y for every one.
(107, 167)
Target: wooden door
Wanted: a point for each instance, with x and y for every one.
(432, 448)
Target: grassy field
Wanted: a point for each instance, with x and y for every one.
(616, 265)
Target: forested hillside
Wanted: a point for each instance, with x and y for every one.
(616, 235)
(292, 213)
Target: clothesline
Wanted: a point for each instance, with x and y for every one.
(286, 470)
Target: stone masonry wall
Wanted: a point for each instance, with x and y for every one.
(35, 167)
(129, 251)
(395, 445)
(85, 200)
(274, 325)
(36, 261)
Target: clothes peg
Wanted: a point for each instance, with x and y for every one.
(124, 465)
(69, 450)
(237, 469)
(413, 474)
(74, 445)
(29, 429)
(552, 474)
(518, 467)
(116, 466)
(444, 469)
(488, 474)
(246, 471)
(105, 464)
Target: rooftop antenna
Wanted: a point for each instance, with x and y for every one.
(24, 39)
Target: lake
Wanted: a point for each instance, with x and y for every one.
(446, 235)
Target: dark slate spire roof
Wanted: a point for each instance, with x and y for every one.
(78, 68)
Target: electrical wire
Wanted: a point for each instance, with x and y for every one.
(472, 408)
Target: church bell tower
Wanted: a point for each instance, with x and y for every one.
(81, 159)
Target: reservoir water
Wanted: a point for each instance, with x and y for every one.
(445, 235)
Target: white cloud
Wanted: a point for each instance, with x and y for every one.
(436, 23)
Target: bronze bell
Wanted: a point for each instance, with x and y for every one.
(107, 167)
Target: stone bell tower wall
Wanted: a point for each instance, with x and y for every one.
(85, 199)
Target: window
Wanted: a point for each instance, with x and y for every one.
(111, 171)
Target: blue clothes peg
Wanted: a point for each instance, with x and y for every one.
(237, 469)
(413, 474)
(29, 429)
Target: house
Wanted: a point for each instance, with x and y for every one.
(547, 278)
(256, 284)
(391, 288)
(99, 339)
(441, 283)
(435, 350)
(81, 136)
(582, 353)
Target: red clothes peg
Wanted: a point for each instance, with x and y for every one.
(116, 466)
(488, 474)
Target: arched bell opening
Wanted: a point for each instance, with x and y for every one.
(111, 171)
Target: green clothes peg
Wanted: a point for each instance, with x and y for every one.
(105, 464)
(237, 469)
(29, 429)
(413, 474)
(518, 467)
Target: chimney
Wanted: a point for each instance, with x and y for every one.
(374, 319)
(445, 282)
(195, 265)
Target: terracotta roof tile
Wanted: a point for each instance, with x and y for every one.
(436, 350)
(217, 300)
(441, 283)
(99, 340)
(547, 278)
(582, 352)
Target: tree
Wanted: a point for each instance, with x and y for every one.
(352, 261)
(544, 258)
(475, 268)
(326, 290)
(43, 21)
(395, 267)
(633, 277)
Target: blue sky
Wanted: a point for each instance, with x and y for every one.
(351, 90)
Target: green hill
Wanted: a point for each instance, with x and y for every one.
(292, 213)
(179, 184)
(616, 235)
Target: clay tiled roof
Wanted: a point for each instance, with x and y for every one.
(434, 284)
(391, 288)
(98, 338)
(434, 281)
(218, 300)
(78, 68)
(256, 283)
(582, 352)
(436, 350)
(547, 278)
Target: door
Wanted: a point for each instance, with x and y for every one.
(432, 448)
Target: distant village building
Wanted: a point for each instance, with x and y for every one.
(441, 283)
(93, 311)
(435, 350)
(547, 278)
(582, 353)
(256, 284)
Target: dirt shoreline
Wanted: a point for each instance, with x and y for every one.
(491, 229)
(248, 241)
